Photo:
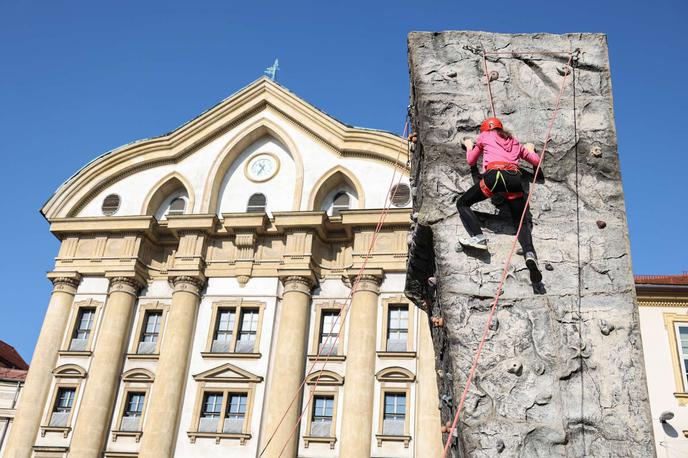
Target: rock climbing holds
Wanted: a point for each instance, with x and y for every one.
(605, 327)
(549, 266)
(601, 224)
(494, 325)
(494, 75)
(437, 321)
(514, 367)
(596, 151)
(499, 445)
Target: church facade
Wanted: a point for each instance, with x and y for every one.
(234, 288)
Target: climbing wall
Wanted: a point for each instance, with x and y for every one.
(561, 373)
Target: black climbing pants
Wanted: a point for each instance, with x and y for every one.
(497, 181)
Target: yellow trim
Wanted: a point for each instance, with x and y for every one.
(144, 309)
(322, 187)
(315, 337)
(670, 321)
(232, 150)
(237, 305)
(67, 338)
(332, 437)
(152, 201)
(410, 339)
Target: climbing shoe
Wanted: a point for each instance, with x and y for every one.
(477, 241)
(532, 264)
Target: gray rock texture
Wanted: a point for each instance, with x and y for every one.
(561, 374)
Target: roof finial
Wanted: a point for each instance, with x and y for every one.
(272, 70)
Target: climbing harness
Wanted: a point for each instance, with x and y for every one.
(493, 308)
(343, 312)
(500, 167)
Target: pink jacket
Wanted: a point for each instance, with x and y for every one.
(495, 148)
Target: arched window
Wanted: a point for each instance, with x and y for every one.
(256, 203)
(340, 202)
(177, 206)
(110, 205)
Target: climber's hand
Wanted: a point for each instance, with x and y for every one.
(530, 147)
(468, 143)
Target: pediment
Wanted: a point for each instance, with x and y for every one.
(258, 97)
(325, 378)
(395, 374)
(138, 375)
(227, 373)
(69, 371)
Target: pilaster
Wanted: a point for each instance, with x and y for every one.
(95, 413)
(359, 389)
(288, 367)
(35, 392)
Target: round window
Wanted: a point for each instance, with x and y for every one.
(110, 204)
(400, 194)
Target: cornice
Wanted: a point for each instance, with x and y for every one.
(65, 281)
(129, 285)
(172, 147)
(188, 284)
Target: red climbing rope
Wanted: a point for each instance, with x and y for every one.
(493, 308)
(343, 313)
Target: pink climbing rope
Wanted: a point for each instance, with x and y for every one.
(493, 308)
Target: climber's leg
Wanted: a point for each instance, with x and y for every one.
(525, 237)
(470, 221)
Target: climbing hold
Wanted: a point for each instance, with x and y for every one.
(437, 321)
(447, 400)
(543, 399)
(443, 429)
(519, 252)
(596, 151)
(452, 74)
(432, 281)
(500, 446)
(494, 325)
(605, 327)
(546, 207)
(458, 247)
(440, 372)
(549, 266)
(601, 224)
(563, 70)
(448, 425)
(539, 367)
(515, 367)
(494, 75)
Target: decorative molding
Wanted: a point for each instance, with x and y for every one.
(297, 283)
(368, 282)
(325, 378)
(70, 371)
(395, 374)
(227, 373)
(127, 285)
(188, 284)
(383, 437)
(66, 284)
(139, 375)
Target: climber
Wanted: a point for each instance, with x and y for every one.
(501, 175)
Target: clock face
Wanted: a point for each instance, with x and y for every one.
(262, 167)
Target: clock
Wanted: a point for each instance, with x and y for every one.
(261, 167)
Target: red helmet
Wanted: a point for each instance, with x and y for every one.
(491, 123)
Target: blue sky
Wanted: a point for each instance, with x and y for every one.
(78, 78)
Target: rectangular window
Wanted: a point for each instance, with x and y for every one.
(682, 336)
(236, 413)
(210, 412)
(224, 327)
(397, 328)
(246, 340)
(150, 332)
(62, 407)
(321, 421)
(133, 409)
(329, 329)
(394, 414)
(82, 330)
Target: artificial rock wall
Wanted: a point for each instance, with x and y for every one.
(561, 374)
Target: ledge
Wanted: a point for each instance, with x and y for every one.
(215, 355)
(74, 353)
(101, 224)
(244, 221)
(396, 354)
(65, 430)
(241, 437)
(319, 439)
(142, 356)
(118, 433)
(325, 357)
(682, 398)
(385, 438)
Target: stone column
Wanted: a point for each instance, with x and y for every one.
(359, 386)
(38, 380)
(164, 407)
(428, 421)
(95, 412)
(288, 368)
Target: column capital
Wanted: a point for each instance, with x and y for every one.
(67, 282)
(188, 284)
(129, 285)
(300, 283)
(370, 280)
